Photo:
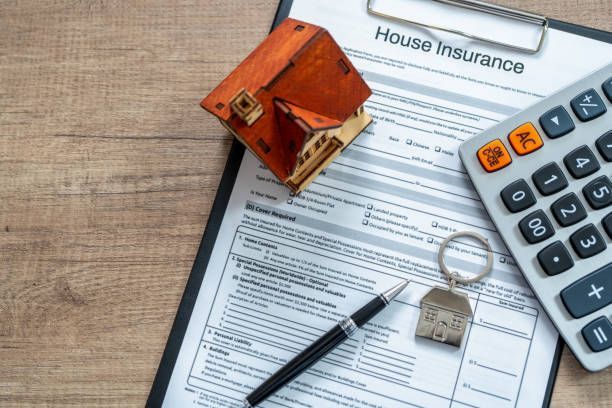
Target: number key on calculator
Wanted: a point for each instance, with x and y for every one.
(544, 176)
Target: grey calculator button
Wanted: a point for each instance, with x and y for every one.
(568, 210)
(549, 179)
(607, 88)
(555, 259)
(536, 227)
(598, 334)
(587, 241)
(588, 105)
(604, 145)
(598, 192)
(557, 122)
(581, 162)
(517, 196)
(590, 293)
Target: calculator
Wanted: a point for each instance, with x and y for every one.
(544, 177)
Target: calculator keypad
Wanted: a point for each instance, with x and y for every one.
(607, 224)
(551, 201)
(494, 156)
(587, 241)
(604, 145)
(549, 179)
(581, 162)
(607, 88)
(598, 334)
(555, 259)
(598, 192)
(557, 122)
(525, 139)
(536, 227)
(590, 293)
(568, 210)
(517, 196)
(588, 105)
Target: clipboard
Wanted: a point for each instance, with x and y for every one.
(481, 7)
(230, 173)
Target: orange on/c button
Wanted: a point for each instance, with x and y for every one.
(494, 156)
(525, 139)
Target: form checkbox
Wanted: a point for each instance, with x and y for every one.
(434, 224)
(365, 222)
(367, 214)
(430, 240)
(438, 148)
(502, 260)
(408, 142)
(290, 201)
(370, 206)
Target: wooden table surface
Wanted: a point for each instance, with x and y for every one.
(108, 170)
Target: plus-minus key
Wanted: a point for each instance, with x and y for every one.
(588, 105)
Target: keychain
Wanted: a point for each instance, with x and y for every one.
(445, 312)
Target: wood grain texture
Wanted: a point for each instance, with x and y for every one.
(108, 169)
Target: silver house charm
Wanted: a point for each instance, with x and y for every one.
(444, 316)
(445, 312)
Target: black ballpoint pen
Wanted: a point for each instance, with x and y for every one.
(326, 343)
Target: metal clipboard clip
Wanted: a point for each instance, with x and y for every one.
(483, 7)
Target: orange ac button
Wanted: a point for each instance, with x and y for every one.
(525, 139)
(494, 156)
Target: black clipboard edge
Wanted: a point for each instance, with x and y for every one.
(228, 179)
(583, 31)
(552, 376)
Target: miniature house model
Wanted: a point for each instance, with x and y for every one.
(296, 101)
(444, 316)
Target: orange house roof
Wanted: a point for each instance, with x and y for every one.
(304, 82)
(311, 121)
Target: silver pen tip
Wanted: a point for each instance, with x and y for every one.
(388, 295)
(246, 403)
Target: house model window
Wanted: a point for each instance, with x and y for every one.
(295, 102)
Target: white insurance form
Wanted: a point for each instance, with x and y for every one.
(285, 269)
